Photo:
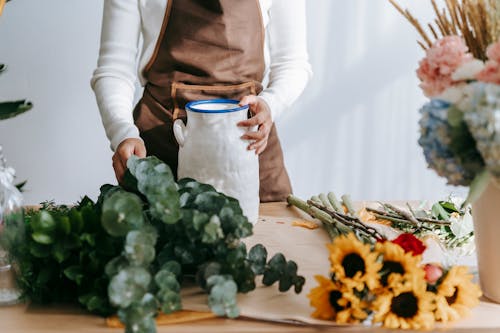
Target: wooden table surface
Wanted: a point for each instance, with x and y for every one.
(59, 318)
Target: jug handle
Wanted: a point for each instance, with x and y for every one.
(180, 132)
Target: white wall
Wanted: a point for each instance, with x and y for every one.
(354, 130)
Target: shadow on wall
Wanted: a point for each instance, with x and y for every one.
(360, 114)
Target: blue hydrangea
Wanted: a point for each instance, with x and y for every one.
(483, 120)
(436, 140)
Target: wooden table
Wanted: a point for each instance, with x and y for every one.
(59, 318)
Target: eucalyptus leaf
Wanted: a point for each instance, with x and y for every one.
(212, 232)
(173, 267)
(122, 212)
(128, 286)
(170, 301)
(222, 297)
(258, 257)
(116, 265)
(210, 202)
(139, 248)
(156, 182)
(167, 280)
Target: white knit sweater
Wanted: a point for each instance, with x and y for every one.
(122, 57)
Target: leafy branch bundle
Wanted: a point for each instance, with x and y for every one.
(130, 251)
(439, 221)
(340, 218)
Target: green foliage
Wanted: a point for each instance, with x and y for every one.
(61, 253)
(128, 252)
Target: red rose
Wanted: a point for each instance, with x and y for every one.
(410, 243)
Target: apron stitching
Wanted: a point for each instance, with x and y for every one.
(161, 36)
(263, 30)
(216, 87)
(173, 94)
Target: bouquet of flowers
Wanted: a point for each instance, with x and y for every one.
(460, 125)
(386, 283)
(374, 280)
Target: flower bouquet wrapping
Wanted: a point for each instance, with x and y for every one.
(460, 125)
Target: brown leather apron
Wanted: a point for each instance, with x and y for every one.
(207, 49)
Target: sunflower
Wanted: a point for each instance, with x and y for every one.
(398, 265)
(456, 294)
(408, 306)
(353, 263)
(334, 302)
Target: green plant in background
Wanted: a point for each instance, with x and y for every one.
(130, 252)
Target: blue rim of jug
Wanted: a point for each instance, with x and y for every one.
(191, 106)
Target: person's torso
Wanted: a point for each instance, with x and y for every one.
(152, 16)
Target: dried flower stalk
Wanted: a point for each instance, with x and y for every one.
(2, 4)
(477, 21)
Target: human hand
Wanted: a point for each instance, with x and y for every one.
(261, 118)
(125, 149)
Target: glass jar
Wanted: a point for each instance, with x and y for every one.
(11, 217)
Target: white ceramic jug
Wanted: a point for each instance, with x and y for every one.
(211, 151)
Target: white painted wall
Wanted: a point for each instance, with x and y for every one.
(354, 130)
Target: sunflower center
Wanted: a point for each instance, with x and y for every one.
(405, 305)
(391, 267)
(352, 264)
(453, 298)
(335, 295)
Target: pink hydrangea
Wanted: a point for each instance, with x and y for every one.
(491, 72)
(441, 61)
(493, 52)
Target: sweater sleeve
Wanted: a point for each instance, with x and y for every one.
(114, 79)
(289, 69)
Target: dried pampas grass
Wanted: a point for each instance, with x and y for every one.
(477, 21)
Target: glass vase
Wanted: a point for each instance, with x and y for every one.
(11, 217)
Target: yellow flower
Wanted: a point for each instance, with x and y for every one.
(353, 263)
(456, 294)
(397, 265)
(333, 302)
(407, 305)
